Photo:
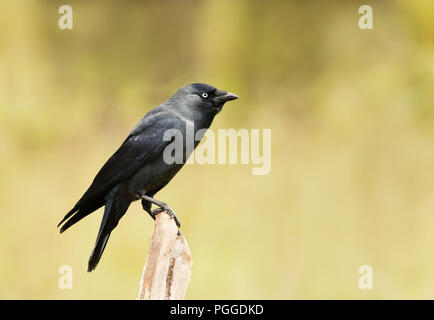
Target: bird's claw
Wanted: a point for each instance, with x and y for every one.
(169, 211)
(155, 212)
(173, 216)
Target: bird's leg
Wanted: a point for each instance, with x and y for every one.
(147, 207)
(162, 207)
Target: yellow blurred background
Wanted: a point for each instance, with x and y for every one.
(352, 119)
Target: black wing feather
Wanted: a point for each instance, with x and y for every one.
(144, 144)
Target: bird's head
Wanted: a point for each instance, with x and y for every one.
(202, 98)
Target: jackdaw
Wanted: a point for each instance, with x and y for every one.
(138, 170)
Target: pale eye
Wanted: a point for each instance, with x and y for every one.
(204, 95)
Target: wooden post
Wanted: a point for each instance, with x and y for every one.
(168, 266)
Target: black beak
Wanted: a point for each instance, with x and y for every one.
(223, 96)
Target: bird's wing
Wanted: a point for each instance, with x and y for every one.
(143, 144)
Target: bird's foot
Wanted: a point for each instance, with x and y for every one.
(155, 212)
(169, 211)
(173, 216)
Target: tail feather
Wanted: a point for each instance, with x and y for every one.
(113, 211)
(98, 251)
(80, 214)
(70, 213)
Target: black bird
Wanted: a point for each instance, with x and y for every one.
(137, 170)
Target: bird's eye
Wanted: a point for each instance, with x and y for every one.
(204, 95)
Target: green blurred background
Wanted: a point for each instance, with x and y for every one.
(352, 119)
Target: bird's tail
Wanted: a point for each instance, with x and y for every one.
(78, 213)
(98, 250)
(113, 211)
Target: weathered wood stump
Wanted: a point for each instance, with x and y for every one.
(168, 266)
